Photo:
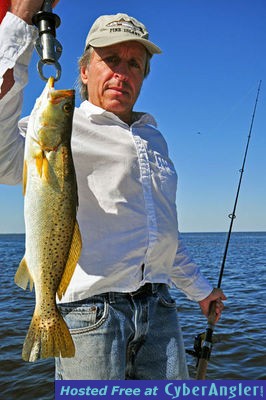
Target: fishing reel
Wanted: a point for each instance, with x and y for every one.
(46, 45)
(198, 347)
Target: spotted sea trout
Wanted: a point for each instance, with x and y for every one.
(53, 241)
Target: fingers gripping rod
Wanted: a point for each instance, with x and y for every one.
(47, 46)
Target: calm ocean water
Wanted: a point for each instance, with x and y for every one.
(239, 339)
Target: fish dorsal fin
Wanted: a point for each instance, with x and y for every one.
(73, 258)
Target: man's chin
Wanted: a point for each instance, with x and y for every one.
(117, 106)
(121, 112)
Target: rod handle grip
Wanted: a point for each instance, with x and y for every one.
(201, 370)
(212, 313)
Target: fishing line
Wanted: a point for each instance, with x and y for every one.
(235, 107)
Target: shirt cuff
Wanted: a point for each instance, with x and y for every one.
(199, 289)
(16, 42)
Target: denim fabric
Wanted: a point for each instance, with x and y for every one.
(124, 336)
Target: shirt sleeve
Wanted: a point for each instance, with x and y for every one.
(187, 277)
(16, 45)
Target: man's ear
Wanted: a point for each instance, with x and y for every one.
(84, 74)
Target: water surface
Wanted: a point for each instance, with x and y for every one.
(239, 338)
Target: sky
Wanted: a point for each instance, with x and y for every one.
(201, 90)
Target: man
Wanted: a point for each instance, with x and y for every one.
(118, 307)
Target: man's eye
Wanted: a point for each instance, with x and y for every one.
(111, 60)
(134, 63)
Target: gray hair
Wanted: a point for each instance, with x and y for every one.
(85, 59)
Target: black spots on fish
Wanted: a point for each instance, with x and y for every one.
(48, 336)
(57, 245)
(50, 322)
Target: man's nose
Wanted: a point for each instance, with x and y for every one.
(121, 71)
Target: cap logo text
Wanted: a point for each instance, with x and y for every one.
(125, 26)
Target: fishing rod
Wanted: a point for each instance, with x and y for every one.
(233, 215)
(203, 342)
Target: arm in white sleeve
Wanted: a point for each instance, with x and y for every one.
(16, 45)
(187, 277)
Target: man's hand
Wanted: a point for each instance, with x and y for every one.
(25, 9)
(216, 296)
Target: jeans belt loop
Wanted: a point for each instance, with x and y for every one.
(111, 296)
(155, 287)
(147, 289)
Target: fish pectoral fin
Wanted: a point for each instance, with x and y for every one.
(25, 176)
(42, 165)
(39, 162)
(73, 257)
(45, 169)
(23, 276)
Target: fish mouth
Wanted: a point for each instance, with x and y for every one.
(51, 81)
(56, 96)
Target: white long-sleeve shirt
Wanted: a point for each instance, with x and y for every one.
(126, 187)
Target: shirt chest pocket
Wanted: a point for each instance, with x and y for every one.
(165, 176)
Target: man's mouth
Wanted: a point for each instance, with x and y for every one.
(118, 90)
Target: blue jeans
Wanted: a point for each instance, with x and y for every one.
(124, 336)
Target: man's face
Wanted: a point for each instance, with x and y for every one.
(114, 77)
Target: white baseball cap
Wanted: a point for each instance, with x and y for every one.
(112, 29)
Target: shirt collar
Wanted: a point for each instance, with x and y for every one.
(94, 112)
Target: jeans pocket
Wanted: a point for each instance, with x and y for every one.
(83, 317)
(165, 299)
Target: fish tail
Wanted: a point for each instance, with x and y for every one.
(47, 337)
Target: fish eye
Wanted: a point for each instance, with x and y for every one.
(67, 107)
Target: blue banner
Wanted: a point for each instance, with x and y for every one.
(160, 390)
